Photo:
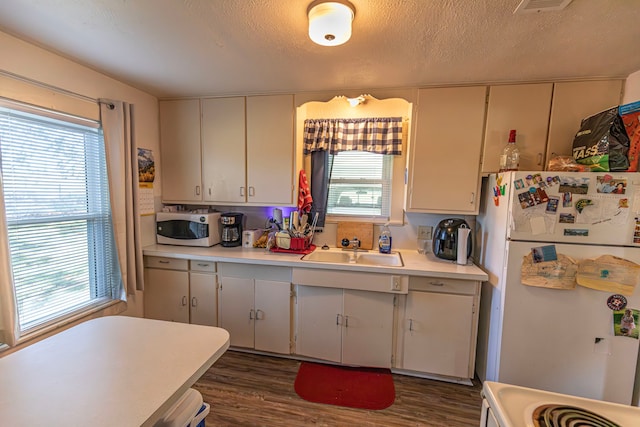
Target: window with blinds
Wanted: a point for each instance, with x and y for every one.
(360, 184)
(56, 201)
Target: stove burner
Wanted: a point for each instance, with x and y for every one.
(567, 416)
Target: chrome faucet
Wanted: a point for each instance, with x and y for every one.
(353, 244)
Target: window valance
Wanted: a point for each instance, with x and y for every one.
(381, 135)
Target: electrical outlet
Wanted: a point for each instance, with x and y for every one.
(425, 232)
(395, 283)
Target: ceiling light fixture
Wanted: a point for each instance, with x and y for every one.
(330, 21)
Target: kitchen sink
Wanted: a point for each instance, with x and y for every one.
(328, 256)
(388, 260)
(339, 256)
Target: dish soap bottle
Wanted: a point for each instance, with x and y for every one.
(510, 157)
(384, 241)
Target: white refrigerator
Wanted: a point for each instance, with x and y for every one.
(560, 340)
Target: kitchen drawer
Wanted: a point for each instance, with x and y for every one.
(249, 271)
(374, 282)
(166, 263)
(204, 266)
(449, 286)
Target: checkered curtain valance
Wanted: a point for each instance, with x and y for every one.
(381, 135)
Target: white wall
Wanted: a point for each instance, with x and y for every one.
(28, 61)
(632, 88)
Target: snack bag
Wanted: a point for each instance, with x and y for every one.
(602, 143)
(630, 114)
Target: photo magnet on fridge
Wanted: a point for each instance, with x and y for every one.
(608, 185)
(544, 253)
(537, 178)
(552, 205)
(625, 323)
(519, 184)
(567, 218)
(574, 185)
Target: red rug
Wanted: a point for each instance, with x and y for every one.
(364, 388)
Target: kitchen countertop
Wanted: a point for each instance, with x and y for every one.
(110, 371)
(415, 264)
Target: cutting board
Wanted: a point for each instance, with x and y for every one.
(362, 230)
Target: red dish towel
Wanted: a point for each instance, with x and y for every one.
(304, 193)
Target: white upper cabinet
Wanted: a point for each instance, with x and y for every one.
(524, 108)
(444, 168)
(223, 150)
(546, 117)
(180, 150)
(270, 149)
(235, 151)
(572, 102)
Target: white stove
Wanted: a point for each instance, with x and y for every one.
(506, 405)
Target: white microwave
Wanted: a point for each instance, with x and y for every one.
(188, 229)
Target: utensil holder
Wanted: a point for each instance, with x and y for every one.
(298, 243)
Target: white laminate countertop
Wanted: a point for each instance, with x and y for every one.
(415, 264)
(111, 371)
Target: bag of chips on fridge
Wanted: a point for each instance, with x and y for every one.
(602, 143)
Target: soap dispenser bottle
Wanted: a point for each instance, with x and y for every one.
(384, 241)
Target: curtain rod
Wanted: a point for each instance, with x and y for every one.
(47, 86)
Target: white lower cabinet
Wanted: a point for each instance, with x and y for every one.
(438, 332)
(180, 290)
(424, 326)
(351, 327)
(256, 312)
(203, 295)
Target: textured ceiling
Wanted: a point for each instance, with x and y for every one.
(174, 48)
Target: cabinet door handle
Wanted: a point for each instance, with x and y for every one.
(346, 321)
(436, 283)
(539, 159)
(338, 317)
(194, 301)
(184, 300)
(241, 191)
(197, 190)
(473, 197)
(202, 265)
(251, 314)
(209, 190)
(252, 191)
(258, 316)
(163, 262)
(410, 325)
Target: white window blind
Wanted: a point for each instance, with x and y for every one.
(56, 195)
(360, 184)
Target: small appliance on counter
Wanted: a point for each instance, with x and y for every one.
(231, 228)
(445, 239)
(249, 237)
(188, 228)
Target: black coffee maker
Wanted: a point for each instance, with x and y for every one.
(231, 228)
(445, 238)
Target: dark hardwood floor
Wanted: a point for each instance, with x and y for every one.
(253, 390)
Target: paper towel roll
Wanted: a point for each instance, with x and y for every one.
(277, 216)
(463, 245)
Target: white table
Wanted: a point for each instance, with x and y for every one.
(111, 371)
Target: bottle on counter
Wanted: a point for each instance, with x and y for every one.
(510, 157)
(384, 241)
